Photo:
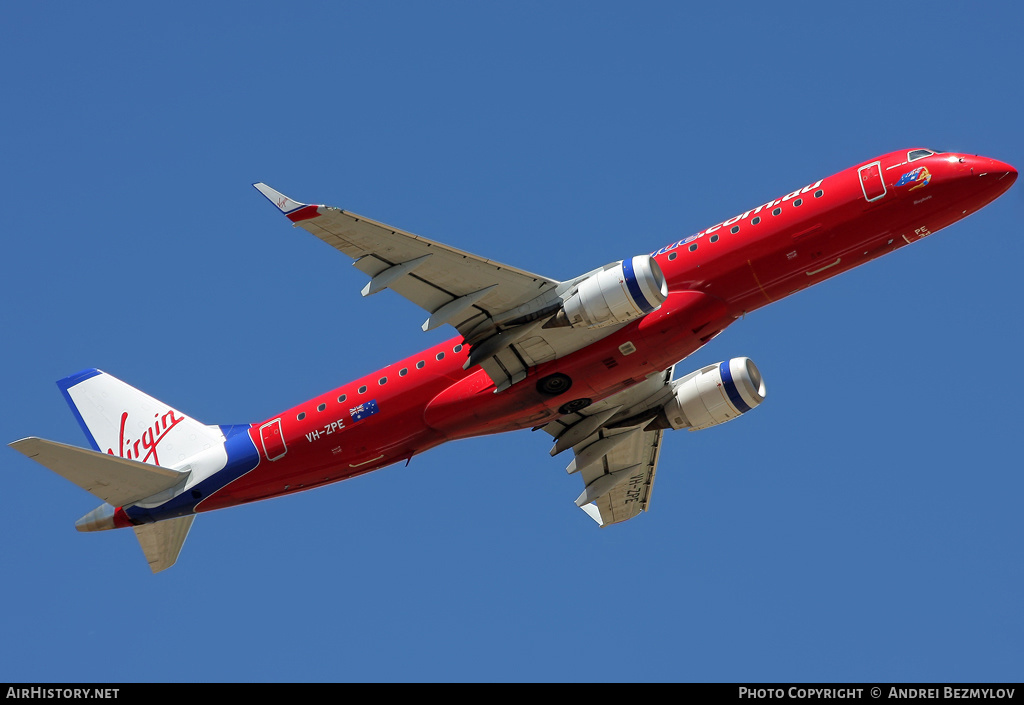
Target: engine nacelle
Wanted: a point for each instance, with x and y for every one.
(618, 294)
(713, 395)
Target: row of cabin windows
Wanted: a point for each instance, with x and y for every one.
(382, 381)
(753, 221)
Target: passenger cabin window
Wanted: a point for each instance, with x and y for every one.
(919, 154)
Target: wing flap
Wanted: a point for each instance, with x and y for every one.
(615, 457)
(632, 481)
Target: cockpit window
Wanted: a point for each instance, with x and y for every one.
(919, 154)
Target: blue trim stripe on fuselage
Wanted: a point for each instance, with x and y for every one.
(634, 287)
(730, 388)
(242, 457)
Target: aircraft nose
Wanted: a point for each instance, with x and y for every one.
(995, 176)
(1011, 173)
(994, 166)
(1002, 173)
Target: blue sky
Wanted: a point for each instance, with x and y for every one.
(863, 524)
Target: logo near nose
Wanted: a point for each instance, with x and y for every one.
(919, 176)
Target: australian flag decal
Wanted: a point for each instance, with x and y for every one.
(364, 410)
(921, 176)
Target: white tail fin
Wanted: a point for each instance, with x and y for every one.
(122, 421)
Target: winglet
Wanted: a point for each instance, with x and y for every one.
(593, 512)
(294, 210)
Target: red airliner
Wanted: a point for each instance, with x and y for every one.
(590, 361)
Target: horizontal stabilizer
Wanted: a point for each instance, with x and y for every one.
(162, 541)
(117, 481)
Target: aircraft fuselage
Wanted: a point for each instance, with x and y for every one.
(714, 277)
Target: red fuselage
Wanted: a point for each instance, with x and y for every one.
(714, 277)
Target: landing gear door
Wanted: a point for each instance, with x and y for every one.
(273, 440)
(871, 182)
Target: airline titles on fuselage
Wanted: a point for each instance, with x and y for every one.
(735, 219)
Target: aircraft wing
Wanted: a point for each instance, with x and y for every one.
(499, 310)
(469, 292)
(614, 455)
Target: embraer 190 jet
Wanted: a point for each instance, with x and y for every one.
(590, 360)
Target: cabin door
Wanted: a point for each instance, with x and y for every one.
(273, 440)
(871, 182)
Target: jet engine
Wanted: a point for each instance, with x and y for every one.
(619, 293)
(712, 395)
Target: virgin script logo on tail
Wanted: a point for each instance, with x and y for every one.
(150, 439)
